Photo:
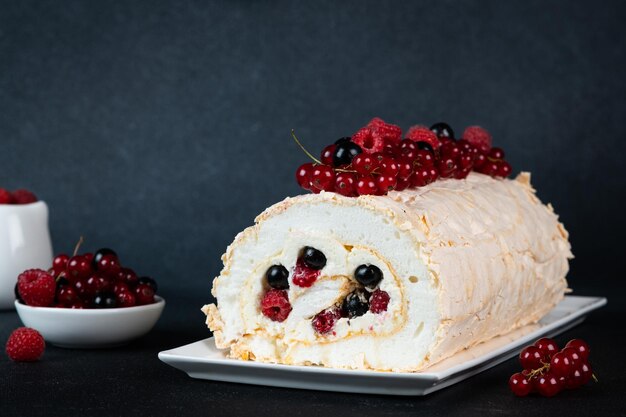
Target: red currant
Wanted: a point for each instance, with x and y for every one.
(548, 384)
(388, 166)
(405, 167)
(403, 184)
(109, 265)
(479, 161)
(365, 185)
(466, 160)
(144, 294)
(78, 267)
(126, 299)
(490, 168)
(303, 175)
(581, 346)
(561, 364)
(66, 295)
(504, 169)
(345, 184)
(531, 358)
(365, 163)
(496, 153)
(424, 159)
(327, 154)
(128, 276)
(446, 167)
(586, 372)
(385, 183)
(322, 178)
(547, 346)
(59, 264)
(520, 385)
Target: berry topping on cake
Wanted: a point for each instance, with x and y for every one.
(36, 287)
(442, 130)
(324, 321)
(355, 304)
(277, 277)
(25, 345)
(478, 137)
(423, 134)
(275, 305)
(344, 153)
(368, 275)
(313, 258)
(369, 142)
(379, 300)
(376, 161)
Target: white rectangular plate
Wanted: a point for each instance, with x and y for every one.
(203, 360)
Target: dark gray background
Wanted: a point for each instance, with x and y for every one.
(161, 129)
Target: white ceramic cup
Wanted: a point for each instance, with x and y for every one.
(24, 244)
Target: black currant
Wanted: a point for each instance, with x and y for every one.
(355, 304)
(147, 280)
(277, 277)
(425, 146)
(313, 258)
(442, 130)
(345, 153)
(104, 300)
(343, 140)
(368, 275)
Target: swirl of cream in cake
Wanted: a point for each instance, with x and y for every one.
(462, 261)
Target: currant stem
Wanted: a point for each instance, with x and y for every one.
(77, 247)
(314, 159)
(293, 134)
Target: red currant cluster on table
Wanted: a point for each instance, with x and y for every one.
(16, 197)
(366, 297)
(376, 159)
(85, 281)
(549, 371)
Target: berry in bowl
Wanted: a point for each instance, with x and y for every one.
(88, 301)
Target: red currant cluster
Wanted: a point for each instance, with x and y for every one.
(85, 281)
(548, 371)
(376, 160)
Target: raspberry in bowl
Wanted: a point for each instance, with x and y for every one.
(88, 301)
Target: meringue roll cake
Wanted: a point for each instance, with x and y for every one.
(391, 283)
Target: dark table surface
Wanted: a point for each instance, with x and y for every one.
(131, 380)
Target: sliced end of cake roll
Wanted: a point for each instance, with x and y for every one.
(390, 283)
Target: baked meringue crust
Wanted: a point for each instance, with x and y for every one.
(463, 261)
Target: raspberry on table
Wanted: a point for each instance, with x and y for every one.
(25, 345)
(275, 305)
(36, 287)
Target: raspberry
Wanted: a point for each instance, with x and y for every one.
(368, 140)
(275, 305)
(6, 197)
(24, 197)
(25, 345)
(36, 287)
(388, 132)
(423, 134)
(325, 321)
(379, 301)
(303, 276)
(478, 137)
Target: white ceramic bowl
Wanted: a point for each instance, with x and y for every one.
(91, 328)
